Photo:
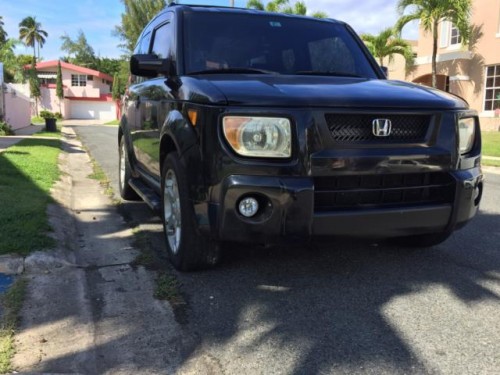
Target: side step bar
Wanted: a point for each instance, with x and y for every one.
(148, 195)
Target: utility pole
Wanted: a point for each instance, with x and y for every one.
(231, 3)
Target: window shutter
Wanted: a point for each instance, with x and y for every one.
(445, 34)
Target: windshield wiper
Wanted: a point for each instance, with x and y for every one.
(319, 73)
(234, 71)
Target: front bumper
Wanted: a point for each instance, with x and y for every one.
(287, 211)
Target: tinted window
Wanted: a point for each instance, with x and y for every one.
(163, 41)
(282, 44)
(144, 44)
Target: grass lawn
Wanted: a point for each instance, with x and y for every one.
(43, 133)
(27, 172)
(491, 143)
(114, 122)
(37, 120)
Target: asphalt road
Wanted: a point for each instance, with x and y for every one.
(349, 307)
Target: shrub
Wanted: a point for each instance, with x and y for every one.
(59, 115)
(5, 129)
(47, 114)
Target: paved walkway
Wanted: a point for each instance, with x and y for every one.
(7, 141)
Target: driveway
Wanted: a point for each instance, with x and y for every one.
(347, 307)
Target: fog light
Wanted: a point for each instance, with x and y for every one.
(248, 206)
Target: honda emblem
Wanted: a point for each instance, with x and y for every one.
(381, 127)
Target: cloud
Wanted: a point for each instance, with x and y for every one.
(370, 16)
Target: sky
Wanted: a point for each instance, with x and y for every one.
(97, 19)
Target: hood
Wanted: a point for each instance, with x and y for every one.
(315, 91)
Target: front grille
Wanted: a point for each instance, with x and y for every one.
(358, 128)
(379, 191)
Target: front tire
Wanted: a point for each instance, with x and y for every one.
(125, 174)
(188, 249)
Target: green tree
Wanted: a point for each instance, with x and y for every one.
(8, 58)
(21, 74)
(35, 92)
(116, 87)
(79, 50)
(431, 13)
(386, 44)
(108, 65)
(3, 33)
(31, 33)
(284, 6)
(59, 85)
(137, 15)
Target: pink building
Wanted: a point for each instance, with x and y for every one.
(473, 71)
(87, 92)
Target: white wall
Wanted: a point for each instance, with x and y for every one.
(17, 108)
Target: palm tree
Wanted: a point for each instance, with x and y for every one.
(431, 13)
(283, 6)
(386, 44)
(3, 33)
(30, 31)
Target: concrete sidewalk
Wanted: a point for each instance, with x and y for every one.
(26, 132)
(89, 309)
(490, 157)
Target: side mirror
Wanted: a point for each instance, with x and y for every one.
(150, 65)
(385, 69)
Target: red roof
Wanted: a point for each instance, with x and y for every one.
(76, 68)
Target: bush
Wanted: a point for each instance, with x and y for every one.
(59, 116)
(47, 115)
(5, 129)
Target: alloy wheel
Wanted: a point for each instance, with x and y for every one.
(172, 211)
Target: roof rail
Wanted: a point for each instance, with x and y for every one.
(174, 3)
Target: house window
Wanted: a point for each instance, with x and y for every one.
(449, 35)
(492, 88)
(78, 80)
(46, 78)
(455, 37)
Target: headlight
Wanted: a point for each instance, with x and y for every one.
(265, 137)
(466, 134)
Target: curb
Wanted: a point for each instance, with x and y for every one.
(11, 264)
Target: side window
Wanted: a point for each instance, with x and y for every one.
(163, 41)
(142, 47)
(144, 44)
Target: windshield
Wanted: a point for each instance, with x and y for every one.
(270, 44)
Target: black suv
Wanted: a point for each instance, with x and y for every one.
(242, 125)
